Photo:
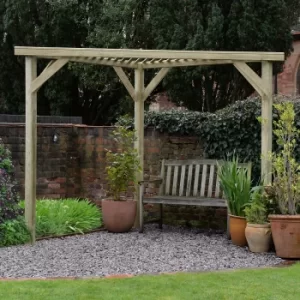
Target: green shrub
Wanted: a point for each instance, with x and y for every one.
(286, 183)
(14, 232)
(9, 208)
(65, 216)
(256, 211)
(123, 165)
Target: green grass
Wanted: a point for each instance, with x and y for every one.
(275, 284)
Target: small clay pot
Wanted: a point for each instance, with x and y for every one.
(286, 235)
(237, 226)
(118, 216)
(258, 237)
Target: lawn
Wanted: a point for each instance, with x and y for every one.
(273, 283)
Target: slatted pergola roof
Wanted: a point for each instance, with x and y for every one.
(139, 60)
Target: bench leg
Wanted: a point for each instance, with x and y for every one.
(228, 227)
(141, 230)
(160, 216)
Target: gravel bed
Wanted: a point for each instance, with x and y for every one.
(154, 251)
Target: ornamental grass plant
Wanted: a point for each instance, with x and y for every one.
(236, 185)
(53, 218)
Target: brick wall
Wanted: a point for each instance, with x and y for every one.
(287, 80)
(74, 166)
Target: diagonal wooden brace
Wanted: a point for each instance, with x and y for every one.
(251, 77)
(123, 77)
(155, 82)
(48, 72)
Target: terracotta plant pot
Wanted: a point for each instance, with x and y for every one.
(258, 237)
(118, 216)
(286, 235)
(237, 226)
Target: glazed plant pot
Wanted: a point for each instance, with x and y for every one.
(118, 216)
(237, 226)
(258, 237)
(286, 235)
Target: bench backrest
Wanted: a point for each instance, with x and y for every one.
(192, 178)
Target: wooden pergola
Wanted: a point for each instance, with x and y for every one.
(139, 60)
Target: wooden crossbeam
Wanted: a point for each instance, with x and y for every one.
(251, 77)
(124, 79)
(155, 64)
(137, 53)
(48, 72)
(104, 62)
(155, 82)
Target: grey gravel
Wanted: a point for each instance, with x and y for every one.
(154, 251)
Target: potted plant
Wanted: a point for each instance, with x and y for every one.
(285, 189)
(258, 230)
(122, 167)
(236, 185)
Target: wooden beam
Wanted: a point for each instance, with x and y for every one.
(267, 116)
(106, 62)
(48, 72)
(30, 146)
(251, 77)
(184, 63)
(155, 82)
(161, 54)
(123, 77)
(139, 129)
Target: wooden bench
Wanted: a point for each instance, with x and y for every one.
(186, 182)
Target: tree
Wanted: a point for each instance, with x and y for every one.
(221, 25)
(95, 92)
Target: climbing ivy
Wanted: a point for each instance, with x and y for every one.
(234, 129)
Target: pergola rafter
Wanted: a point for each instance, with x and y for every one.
(139, 60)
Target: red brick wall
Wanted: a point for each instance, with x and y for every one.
(287, 79)
(74, 166)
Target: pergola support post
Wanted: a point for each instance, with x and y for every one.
(267, 119)
(30, 146)
(139, 88)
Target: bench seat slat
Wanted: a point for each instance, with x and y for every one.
(168, 180)
(175, 179)
(212, 202)
(203, 181)
(196, 182)
(182, 179)
(211, 181)
(189, 181)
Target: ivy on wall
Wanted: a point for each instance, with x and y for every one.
(234, 129)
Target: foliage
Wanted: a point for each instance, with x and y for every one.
(124, 164)
(9, 198)
(95, 92)
(236, 185)
(256, 211)
(14, 232)
(234, 129)
(286, 169)
(65, 216)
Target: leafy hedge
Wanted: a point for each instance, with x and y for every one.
(9, 199)
(234, 129)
